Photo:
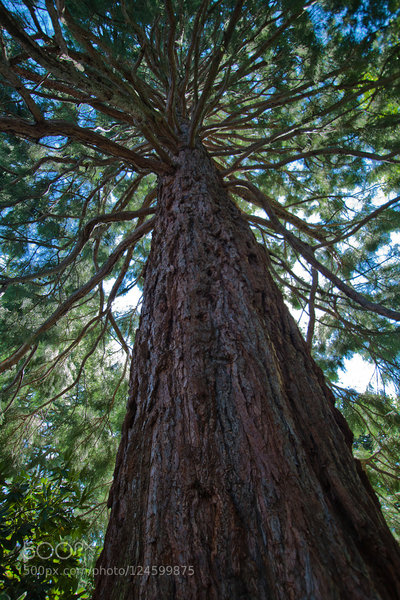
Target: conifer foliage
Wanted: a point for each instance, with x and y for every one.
(296, 104)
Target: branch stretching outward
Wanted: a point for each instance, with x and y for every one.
(363, 221)
(334, 151)
(83, 238)
(311, 307)
(307, 252)
(62, 128)
(107, 267)
(218, 53)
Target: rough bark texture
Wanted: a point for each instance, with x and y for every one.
(233, 458)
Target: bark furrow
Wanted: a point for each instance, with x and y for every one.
(233, 458)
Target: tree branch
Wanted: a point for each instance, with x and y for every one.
(308, 254)
(84, 135)
(83, 238)
(78, 294)
(213, 70)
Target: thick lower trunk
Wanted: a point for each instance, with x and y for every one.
(234, 469)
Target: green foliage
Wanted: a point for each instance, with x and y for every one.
(44, 549)
(375, 421)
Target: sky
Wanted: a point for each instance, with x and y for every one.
(357, 374)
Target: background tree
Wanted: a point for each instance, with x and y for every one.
(41, 537)
(296, 105)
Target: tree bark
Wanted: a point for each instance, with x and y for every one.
(233, 459)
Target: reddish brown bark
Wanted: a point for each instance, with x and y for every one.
(233, 459)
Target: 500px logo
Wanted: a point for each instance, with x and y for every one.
(45, 550)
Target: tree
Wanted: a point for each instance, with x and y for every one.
(41, 546)
(255, 143)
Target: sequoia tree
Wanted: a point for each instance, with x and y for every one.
(255, 143)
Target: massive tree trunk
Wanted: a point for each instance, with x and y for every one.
(235, 468)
